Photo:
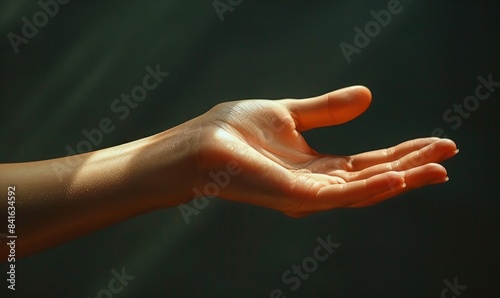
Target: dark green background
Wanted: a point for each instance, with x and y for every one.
(427, 59)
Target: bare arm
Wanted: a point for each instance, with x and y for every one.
(253, 147)
(62, 199)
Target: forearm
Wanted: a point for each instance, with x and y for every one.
(62, 199)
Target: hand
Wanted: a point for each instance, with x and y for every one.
(248, 151)
(277, 168)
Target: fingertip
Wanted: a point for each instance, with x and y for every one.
(395, 180)
(448, 147)
(434, 169)
(348, 103)
(361, 95)
(363, 91)
(437, 173)
(449, 142)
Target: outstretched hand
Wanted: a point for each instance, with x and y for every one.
(249, 151)
(279, 170)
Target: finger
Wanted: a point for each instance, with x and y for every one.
(332, 108)
(433, 153)
(368, 159)
(348, 194)
(414, 178)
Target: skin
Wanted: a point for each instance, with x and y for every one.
(62, 199)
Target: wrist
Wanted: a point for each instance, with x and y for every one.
(169, 165)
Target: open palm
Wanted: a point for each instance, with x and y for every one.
(279, 170)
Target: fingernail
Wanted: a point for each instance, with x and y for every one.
(399, 186)
(441, 180)
(451, 154)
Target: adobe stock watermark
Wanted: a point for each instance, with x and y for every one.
(40, 19)
(92, 138)
(116, 284)
(455, 288)
(371, 29)
(220, 180)
(221, 7)
(460, 111)
(294, 276)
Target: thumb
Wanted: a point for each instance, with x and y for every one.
(332, 108)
